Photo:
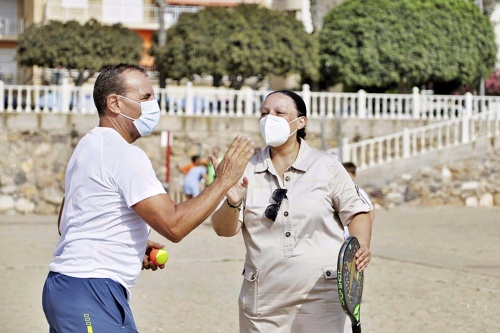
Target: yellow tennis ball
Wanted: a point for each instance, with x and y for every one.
(158, 256)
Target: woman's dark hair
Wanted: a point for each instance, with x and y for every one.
(299, 105)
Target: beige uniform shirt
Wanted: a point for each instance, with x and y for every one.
(290, 280)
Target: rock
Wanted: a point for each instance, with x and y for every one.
(470, 186)
(496, 199)
(20, 177)
(42, 149)
(44, 208)
(406, 177)
(28, 191)
(52, 194)
(6, 180)
(471, 202)
(24, 206)
(446, 175)
(6, 203)
(486, 200)
(394, 197)
(454, 201)
(409, 195)
(9, 189)
(27, 165)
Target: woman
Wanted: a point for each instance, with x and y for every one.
(291, 206)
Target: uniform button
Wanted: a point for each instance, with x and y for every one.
(285, 213)
(328, 273)
(287, 234)
(252, 277)
(287, 178)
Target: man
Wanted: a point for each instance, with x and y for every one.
(112, 197)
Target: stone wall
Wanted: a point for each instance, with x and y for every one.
(35, 149)
(472, 182)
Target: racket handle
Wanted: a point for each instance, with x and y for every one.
(356, 328)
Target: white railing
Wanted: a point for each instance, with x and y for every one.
(210, 101)
(419, 141)
(55, 10)
(11, 26)
(464, 119)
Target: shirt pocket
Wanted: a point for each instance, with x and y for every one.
(330, 272)
(248, 299)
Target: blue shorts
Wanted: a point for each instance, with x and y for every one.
(86, 305)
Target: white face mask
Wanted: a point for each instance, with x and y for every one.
(150, 116)
(275, 130)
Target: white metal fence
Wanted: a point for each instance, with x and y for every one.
(11, 26)
(209, 101)
(463, 119)
(419, 141)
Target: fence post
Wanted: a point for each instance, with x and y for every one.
(416, 103)
(362, 104)
(466, 116)
(345, 151)
(2, 95)
(406, 142)
(424, 105)
(248, 101)
(65, 96)
(306, 96)
(189, 98)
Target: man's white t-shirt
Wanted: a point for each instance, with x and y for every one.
(101, 235)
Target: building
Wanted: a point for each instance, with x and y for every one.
(141, 16)
(11, 25)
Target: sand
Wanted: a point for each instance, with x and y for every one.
(434, 269)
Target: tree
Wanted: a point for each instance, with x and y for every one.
(383, 44)
(242, 41)
(86, 48)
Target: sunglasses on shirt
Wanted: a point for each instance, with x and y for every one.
(272, 210)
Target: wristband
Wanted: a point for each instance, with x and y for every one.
(233, 206)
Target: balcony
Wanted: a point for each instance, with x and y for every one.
(145, 17)
(288, 5)
(213, 3)
(10, 28)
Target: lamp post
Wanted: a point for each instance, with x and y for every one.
(162, 35)
(161, 20)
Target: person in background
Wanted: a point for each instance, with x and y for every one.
(112, 199)
(351, 169)
(186, 167)
(286, 205)
(210, 167)
(193, 179)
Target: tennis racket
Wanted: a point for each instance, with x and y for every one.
(350, 282)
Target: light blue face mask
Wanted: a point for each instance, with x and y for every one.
(150, 116)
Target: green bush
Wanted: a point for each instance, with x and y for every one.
(382, 44)
(88, 47)
(247, 40)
